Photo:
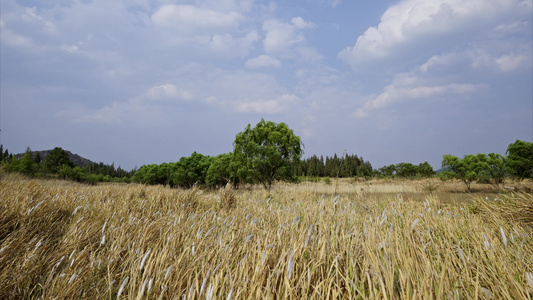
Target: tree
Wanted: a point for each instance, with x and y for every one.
(406, 170)
(520, 159)
(466, 169)
(27, 165)
(425, 169)
(364, 170)
(191, 170)
(222, 171)
(264, 153)
(55, 159)
(388, 171)
(495, 168)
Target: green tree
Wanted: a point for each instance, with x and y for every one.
(388, 171)
(27, 165)
(520, 159)
(364, 170)
(222, 171)
(264, 153)
(191, 170)
(425, 169)
(55, 159)
(467, 169)
(495, 168)
(37, 159)
(153, 174)
(406, 170)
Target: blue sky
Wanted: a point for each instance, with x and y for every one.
(136, 82)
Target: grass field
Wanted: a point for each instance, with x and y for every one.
(347, 239)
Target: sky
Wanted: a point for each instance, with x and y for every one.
(135, 82)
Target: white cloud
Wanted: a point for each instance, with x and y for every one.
(227, 45)
(262, 61)
(151, 106)
(407, 87)
(167, 91)
(191, 19)
(511, 61)
(414, 27)
(282, 104)
(281, 36)
(301, 24)
(70, 48)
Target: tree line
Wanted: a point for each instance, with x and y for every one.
(344, 166)
(271, 152)
(262, 155)
(58, 164)
(490, 168)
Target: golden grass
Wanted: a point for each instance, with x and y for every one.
(356, 240)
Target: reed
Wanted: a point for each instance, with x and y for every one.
(65, 240)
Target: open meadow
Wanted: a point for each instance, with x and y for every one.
(348, 239)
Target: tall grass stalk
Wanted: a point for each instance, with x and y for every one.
(65, 240)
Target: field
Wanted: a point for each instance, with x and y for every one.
(348, 239)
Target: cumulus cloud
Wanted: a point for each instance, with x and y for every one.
(407, 87)
(301, 24)
(262, 61)
(227, 45)
(188, 18)
(411, 27)
(281, 36)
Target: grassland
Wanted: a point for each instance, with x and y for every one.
(347, 239)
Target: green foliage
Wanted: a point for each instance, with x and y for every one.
(364, 170)
(155, 174)
(406, 170)
(222, 171)
(26, 164)
(495, 168)
(266, 153)
(344, 166)
(388, 171)
(55, 159)
(468, 169)
(520, 159)
(425, 170)
(105, 169)
(191, 170)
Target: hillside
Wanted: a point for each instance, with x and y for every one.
(75, 158)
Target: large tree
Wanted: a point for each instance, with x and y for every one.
(520, 159)
(191, 170)
(264, 154)
(57, 158)
(222, 171)
(494, 168)
(468, 169)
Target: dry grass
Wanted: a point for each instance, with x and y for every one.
(369, 241)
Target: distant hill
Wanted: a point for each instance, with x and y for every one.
(75, 158)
